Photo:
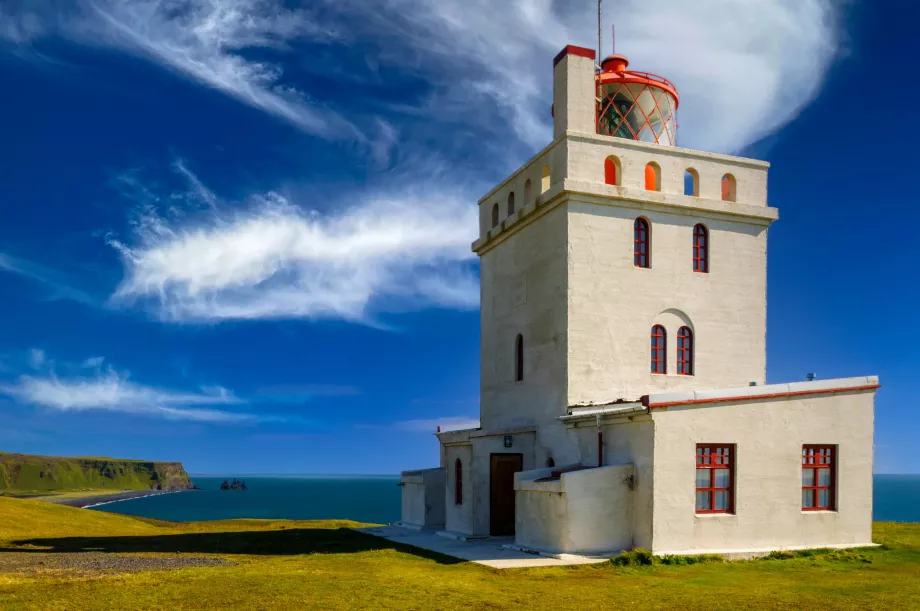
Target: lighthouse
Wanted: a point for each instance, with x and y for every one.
(624, 398)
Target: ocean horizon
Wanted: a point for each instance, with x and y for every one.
(377, 499)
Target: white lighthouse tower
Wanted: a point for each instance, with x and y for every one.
(623, 325)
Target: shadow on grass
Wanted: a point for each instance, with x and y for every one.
(286, 542)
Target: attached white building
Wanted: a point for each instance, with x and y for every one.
(623, 400)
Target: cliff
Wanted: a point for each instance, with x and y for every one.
(26, 473)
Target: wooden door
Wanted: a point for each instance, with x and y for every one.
(503, 468)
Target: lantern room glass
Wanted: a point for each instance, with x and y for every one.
(637, 111)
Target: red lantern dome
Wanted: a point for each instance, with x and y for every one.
(635, 105)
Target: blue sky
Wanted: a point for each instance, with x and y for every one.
(236, 233)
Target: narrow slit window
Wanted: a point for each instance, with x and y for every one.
(701, 249)
(818, 475)
(458, 482)
(641, 243)
(511, 203)
(544, 179)
(519, 359)
(685, 351)
(659, 349)
(495, 215)
(528, 191)
(715, 489)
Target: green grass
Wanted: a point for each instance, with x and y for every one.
(325, 565)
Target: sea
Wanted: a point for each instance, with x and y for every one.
(376, 499)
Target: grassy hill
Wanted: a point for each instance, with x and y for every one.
(27, 474)
(64, 558)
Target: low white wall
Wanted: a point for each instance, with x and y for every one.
(423, 498)
(585, 511)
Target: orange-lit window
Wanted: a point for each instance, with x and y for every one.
(715, 490)
(458, 482)
(652, 177)
(612, 171)
(685, 351)
(659, 349)
(701, 249)
(545, 179)
(641, 243)
(729, 188)
(818, 474)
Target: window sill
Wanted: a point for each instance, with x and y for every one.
(818, 511)
(710, 516)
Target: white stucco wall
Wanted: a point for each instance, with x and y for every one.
(587, 511)
(423, 498)
(523, 287)
(613, 304)
(768, 435)
(459, 518)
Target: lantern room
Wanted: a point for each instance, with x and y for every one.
(635, 105)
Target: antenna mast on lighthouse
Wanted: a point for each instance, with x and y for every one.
(600, 4)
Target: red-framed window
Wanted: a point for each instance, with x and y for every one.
(458, 482)
(641, 243)
(819, 466)
(701, 249)
(685, 351)
(715, 478)
(519, 359)
(659, 349)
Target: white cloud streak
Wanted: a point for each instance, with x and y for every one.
(271, 259)
(744, 69)
(114, 392)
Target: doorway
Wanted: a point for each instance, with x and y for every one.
(503, 468)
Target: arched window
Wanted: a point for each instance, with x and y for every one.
(495, 215)
(701, 249)
(550, 462)
(652, 177)
(692, 183)
(685, 351)
(458, 482)
(729, 188)
(519, 358)
(612, 170)
(641, 243)
(659, 349)
(544, 180)
(528, 192)
(511, 203)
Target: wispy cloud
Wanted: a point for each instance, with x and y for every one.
(113, 391)
(270, 259)
(206, 41)
(744, 69)
(56, 283)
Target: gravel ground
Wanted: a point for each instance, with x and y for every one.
(99, 562)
